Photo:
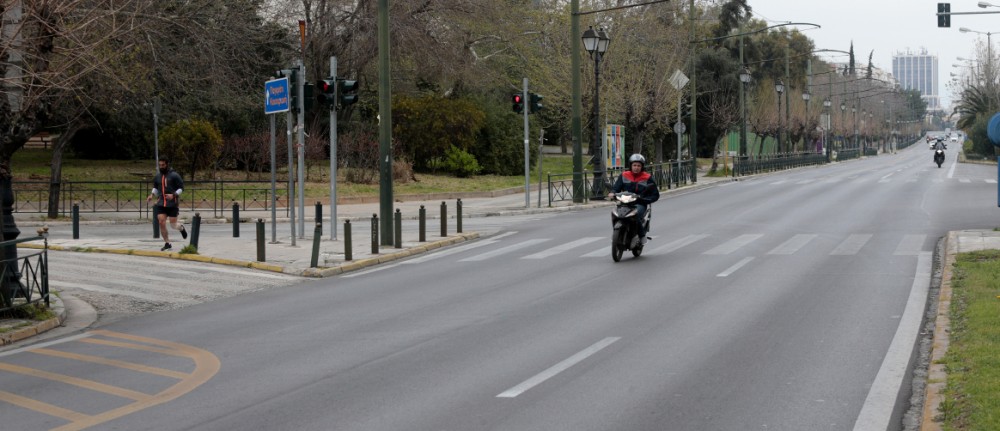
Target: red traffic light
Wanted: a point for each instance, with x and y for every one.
(517, 98)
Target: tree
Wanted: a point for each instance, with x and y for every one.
(194, 142)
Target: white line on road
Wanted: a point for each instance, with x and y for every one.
(562, 248)
(557, 368)
(734, 244)
(458, 249)
(734, 268)
(878, 407)
(675, 245)
(911, 245)
(991, 181)
(45, 344)
(851, 245)
(951, 170)
(964, 180)
(793, 245)
(504, 250)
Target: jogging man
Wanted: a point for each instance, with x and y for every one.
(167, 185)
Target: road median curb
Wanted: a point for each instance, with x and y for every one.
(34, 328)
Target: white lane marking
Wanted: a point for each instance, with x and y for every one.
(779, 182)
(991, 181)
(603, 251)
(951, 170)
(675, 245)
(911, 245)
(881, 399)
(886, 178)
(851, 245)
(95, 288)
(45, 344)
(734, 268)
(734, 244)
(459, 249)
(562, 248)
(557, 368)
(964, 180)
(504, 250)
(793, 244)
(803, 182)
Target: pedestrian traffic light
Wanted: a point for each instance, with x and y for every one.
(945, 19)
(308, 91)
(536, 102)
(327, 94)
(348, 92)
(518, 102)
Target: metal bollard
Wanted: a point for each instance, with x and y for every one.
(319, 217)
(156, 225)
(260, 240)
(236, 220)
(317, 235)
(444, 219)
(423, 224)
(374, 233)
(76, 221)
(458, 216)
(398, 232)
(348, 250)
(195, 230)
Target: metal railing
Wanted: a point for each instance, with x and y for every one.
(853, 153)
(665, 175)
(24, 280)
(775, 162)
(130, 196)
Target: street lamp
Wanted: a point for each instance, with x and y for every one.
(826, 144)
(805, 97)
(745, 78)
(854, 113)
(596, 43)
(780, 88)
(843, 116)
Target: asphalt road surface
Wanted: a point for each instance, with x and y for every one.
(788, 301)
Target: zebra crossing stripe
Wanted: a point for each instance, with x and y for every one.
(911, 245)
(991, 181)
(504, 250)
(561, 248)
(675, 245)
(793, 244)
(852, 245)
(734, 244)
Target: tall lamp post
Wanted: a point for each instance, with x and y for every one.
(854, 113)
(745, 80)
(826, 141)
(780, 88)
(596, 43)
(843, 125)
(805, 97)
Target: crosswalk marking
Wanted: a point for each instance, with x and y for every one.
(94, 288)
(603, 251)
(793, 244)
(561, 248)
(450, 251)
(964, 180)
(991, 181)
(675, 245)
(735, 267)
(734, 244)
(803, 182)
(851, 245)
(779, 182)
(504, 250)
(911, 245)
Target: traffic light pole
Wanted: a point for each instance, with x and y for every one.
(289, 119)
(333, 153)
(302, 147)
(527, 153)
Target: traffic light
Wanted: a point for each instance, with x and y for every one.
(307, 91)
(327, 94)
(536, 102)
(348, 92)
(944, 20)
(518, 102)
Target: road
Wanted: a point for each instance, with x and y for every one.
(788, 301)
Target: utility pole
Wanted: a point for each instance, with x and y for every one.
(384, 125)
(576, 125)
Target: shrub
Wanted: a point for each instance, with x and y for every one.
(193, 143)
(460, 162)
(428, 126)
(499, 146)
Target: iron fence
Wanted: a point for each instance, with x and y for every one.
(748, 165)
(848, 154)
(24, 279)
(665, 175)
(130, 196)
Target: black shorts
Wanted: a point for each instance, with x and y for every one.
(169, 211)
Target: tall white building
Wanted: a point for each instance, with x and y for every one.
(918, 71)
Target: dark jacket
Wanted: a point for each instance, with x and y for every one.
(165, 184)
(642, 185)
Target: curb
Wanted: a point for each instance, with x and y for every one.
(936, 375)
(36, 328)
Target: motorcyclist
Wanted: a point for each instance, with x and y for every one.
(636, 180)
(940, 145)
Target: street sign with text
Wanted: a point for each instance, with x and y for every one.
(276, 98)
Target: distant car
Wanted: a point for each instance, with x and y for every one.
(954, 139)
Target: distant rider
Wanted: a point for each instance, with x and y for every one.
(636, 180)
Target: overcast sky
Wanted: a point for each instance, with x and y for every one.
(888, 27)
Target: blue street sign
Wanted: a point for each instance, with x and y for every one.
(276, 98)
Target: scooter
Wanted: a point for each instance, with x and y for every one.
(939, 157)
(626, 225)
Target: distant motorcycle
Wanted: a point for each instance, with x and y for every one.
(626, 225)
(939, 157)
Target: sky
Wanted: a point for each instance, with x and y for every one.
(888, 27)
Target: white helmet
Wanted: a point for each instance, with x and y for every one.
(637, 158)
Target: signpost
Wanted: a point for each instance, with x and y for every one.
(276, 100)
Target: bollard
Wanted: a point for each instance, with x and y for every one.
(236, 220)
(458, 216)
(317, 235)
(347, 241)
(423, 224)
(374, 233)
(319, 217)
(195, 230)
(398, 233)
(444, 219)
(156, 225)
(260, 240)
(76, 221)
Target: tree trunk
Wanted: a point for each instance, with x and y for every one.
(55, 176)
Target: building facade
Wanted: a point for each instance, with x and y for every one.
(918, 71)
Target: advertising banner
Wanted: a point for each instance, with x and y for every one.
(614, 145)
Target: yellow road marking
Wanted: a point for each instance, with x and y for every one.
(132, 346)
(113, 362)
(75, 381)
(39, 406)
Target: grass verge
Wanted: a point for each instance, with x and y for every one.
(972, 401)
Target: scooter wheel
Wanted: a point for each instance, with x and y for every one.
(616, 252)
